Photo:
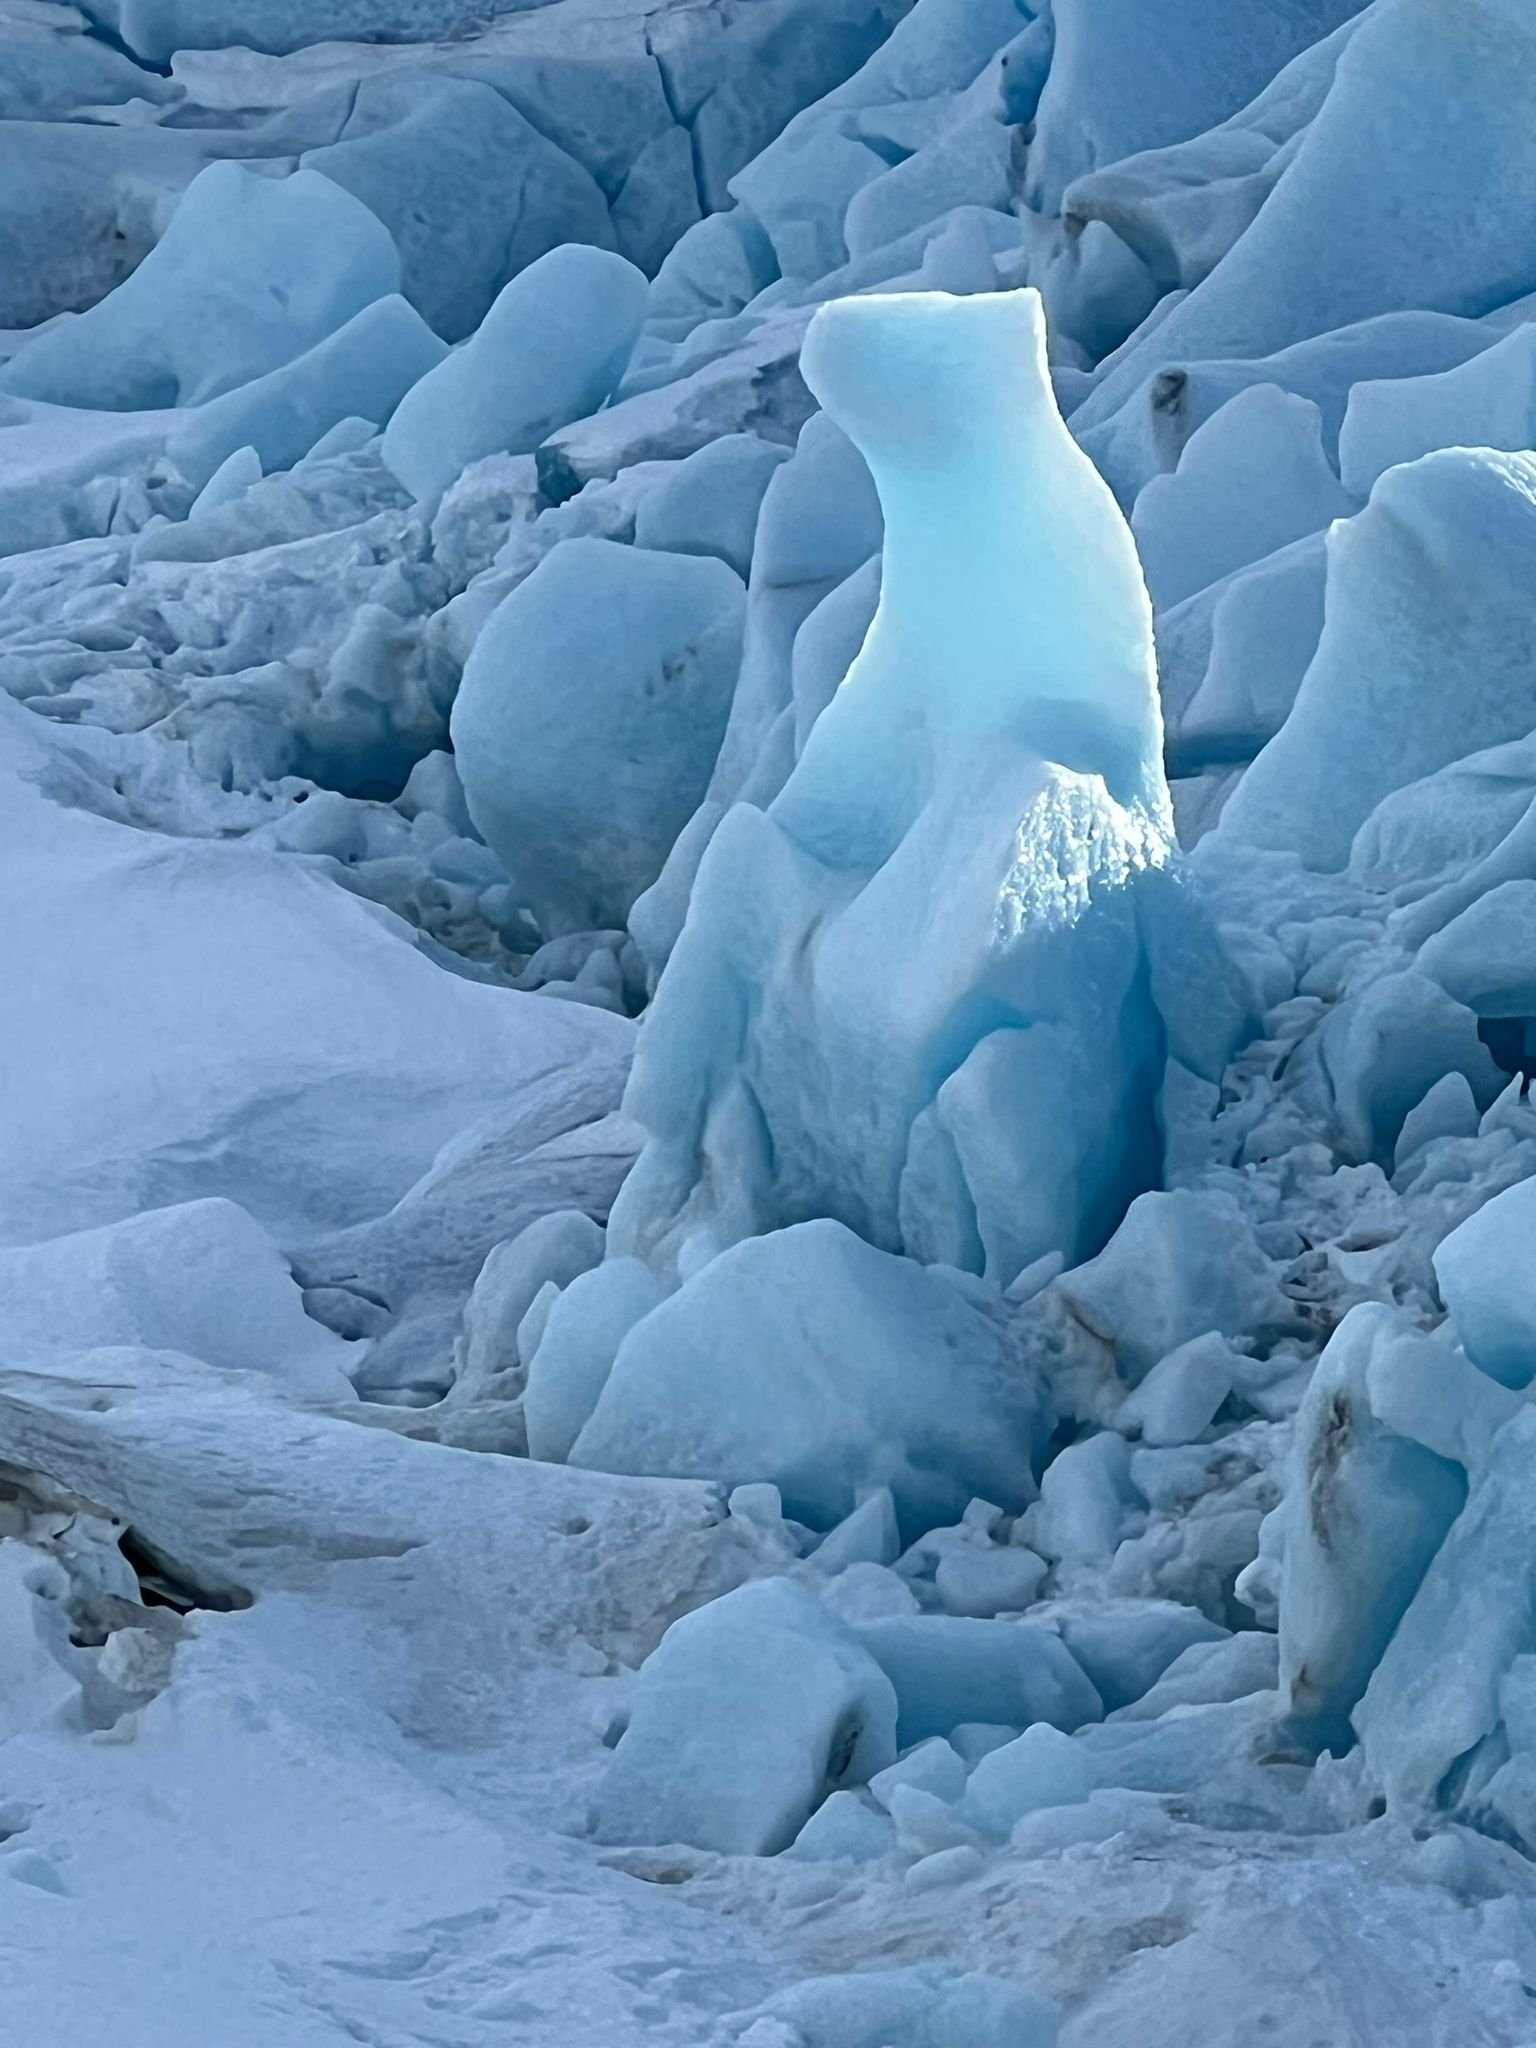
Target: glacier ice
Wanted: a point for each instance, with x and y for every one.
(550, 350)
(272, 994)
(743, 1716)
(615, 769)
(1427, 582)
(941, 736)
(809, 1358)
(250, 273)
(1483, 1272)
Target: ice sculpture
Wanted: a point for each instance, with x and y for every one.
(911, 995)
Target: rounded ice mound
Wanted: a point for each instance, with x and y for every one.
(1487, 1279)
(251, 272)
(550, 350)
(588, 720)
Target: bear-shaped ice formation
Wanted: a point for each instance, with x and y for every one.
(912, 995)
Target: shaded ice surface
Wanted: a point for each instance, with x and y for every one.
(889, 641)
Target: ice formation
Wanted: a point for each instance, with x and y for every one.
(987, 783)
(696, 1348)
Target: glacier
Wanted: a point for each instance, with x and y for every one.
(766, 1160)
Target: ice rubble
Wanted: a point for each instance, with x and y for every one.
(1276, 1424)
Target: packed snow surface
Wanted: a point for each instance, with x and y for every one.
(767, 989)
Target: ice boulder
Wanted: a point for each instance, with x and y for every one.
(364, 369)
(1185, 1261)
(1366, 1509)
(1085, 1497)
(575, 1349)
(912, 994)
(201, 1278)
(1126, 1644)
(251, 272)
(709, 503)
(1180, 1395)
(809, 1358)
(549, 351)
(948, 1670)
(1486, 956)
(746, 1715)
(1426, 654)
(1486, 1270)
(588, 721)
(924, 2006)
(1385, 1045)
(555, 1247)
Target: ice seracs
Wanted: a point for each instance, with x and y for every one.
(999, 726)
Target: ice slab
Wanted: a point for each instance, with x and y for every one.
(1424, 656)
(363, 370)
(948, 1670)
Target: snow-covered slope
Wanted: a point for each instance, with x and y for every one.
(892, 639)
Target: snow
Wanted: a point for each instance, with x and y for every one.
(284, 983)
(1068, 1318)
(201, 1278)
